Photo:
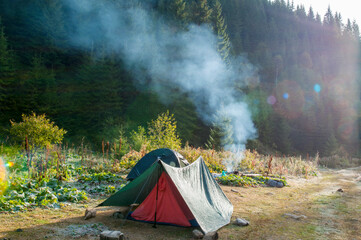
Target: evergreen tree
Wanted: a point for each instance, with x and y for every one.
(282, 135)
(221, 133)
(200, 13)
(34, 93)
(331, 146)
(7, 77)
(178, 11)
(220, 28)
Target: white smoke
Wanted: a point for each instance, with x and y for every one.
(160, 55)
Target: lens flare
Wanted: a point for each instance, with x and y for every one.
(317, 88)
(271, 100)
(289, 107)
(2, 177)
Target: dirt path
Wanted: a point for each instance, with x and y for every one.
(327, 214)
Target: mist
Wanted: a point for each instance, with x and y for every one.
(161, 57)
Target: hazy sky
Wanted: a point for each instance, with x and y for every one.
(347, 8)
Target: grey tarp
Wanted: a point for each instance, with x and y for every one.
(204, 197)
(202, 194)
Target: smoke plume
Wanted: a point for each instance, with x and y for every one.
(161, 56)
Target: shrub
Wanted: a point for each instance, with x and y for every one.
(163, 132)
(38, 130)
(140, 139)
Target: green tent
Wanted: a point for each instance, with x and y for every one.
(187, 196)
(167, 155)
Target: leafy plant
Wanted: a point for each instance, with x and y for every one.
(24, 194)
(140, 139)
(38, 130)
(163, 132)
(245, 181)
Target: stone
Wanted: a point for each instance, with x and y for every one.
(197, 234)
(296, 217)
(211, 236)
(233, 190)
(340, 190)
(118, 215)
(111, 235)
(274, 183)
(241, 222)
(90, 214)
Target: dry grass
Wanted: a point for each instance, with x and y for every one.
(252, 161)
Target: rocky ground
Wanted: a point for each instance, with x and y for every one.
(323, 207)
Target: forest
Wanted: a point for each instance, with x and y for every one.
(301, 84)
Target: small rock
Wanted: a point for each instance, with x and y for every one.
(296, 217)
(340, 190)
(118, 215)
(19, 230)
(270, 194)
(89, 214)
(274, 183)
(197, 234)
(241, 222)
(211, 236)
(233, 190)
(111, 235)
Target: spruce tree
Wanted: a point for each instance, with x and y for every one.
(178, 11)
(220, 28)
(201, 13)
(7, 77)
(221, 133)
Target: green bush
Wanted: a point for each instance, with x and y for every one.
(39, 131)
(163, 132)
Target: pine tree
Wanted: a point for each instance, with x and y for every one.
(7, 76)
(201, 13)
(311, 15)
(220, 28)
(331, 146)
(282, 135)
(178, 11)
(221, 133)
(37, 90)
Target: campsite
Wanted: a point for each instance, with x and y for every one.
(180, 119)
(308, 207)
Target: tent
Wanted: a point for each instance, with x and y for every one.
(187, 196)
(168, 156)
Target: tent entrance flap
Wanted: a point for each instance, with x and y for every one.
(171, 208)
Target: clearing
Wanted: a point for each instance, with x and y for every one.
(329, 214)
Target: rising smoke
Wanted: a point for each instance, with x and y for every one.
(153, 49)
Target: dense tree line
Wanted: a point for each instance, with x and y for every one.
(306, 101)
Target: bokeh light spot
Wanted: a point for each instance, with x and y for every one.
(285, 95)
(2, 177)
(271, 100)
(317, 88)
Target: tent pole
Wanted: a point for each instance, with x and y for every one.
(156, 199)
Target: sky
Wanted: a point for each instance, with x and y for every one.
(347, 8)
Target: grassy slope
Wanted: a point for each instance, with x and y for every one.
(330, 214)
